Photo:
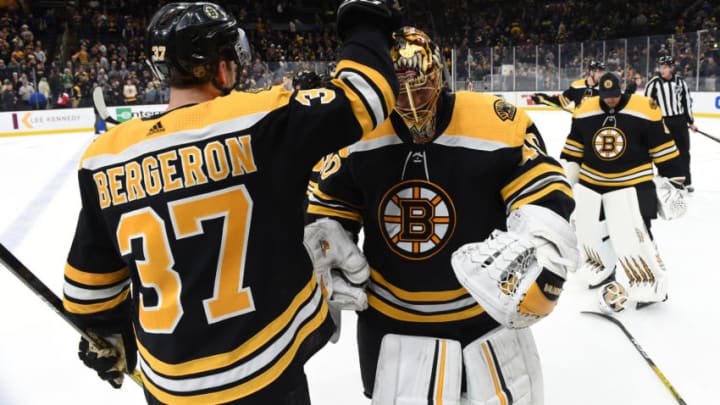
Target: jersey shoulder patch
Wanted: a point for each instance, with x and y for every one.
(578, 84)
(488, 117)
(644, 106)
(589, 106)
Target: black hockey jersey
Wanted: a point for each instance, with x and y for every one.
(616, 148)
(417, 203)
(198, 212)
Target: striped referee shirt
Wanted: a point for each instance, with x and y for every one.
(672, 96)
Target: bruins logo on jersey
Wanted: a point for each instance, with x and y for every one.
(416, 219)
(504, 110)
(609, 143)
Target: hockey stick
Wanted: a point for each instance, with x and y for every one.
(101, 108)
(41, 290)
(553, 105)
(642, 353)
(714, 138)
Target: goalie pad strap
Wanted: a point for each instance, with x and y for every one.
(417, 370)
(503, 367)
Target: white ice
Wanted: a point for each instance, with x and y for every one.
(586, 361)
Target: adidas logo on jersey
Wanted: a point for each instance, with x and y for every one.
(157, 128)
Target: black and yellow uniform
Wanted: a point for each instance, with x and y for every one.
(206, 196)
(417, 203)
(616, 148)
(579, 91)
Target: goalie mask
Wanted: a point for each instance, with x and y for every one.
(418, 64)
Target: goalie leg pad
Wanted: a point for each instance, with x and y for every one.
(417, 370)
(639, 266)
(503, 367)
(598, 255)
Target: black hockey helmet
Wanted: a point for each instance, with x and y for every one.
(185, 42)
(666, 60)
(597, 65)
(306, 79)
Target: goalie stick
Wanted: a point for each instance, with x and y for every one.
(30, 280)
(101, 107)
(645, 356)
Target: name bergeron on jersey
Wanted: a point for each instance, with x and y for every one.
(175, 169)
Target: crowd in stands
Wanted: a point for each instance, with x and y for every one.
(52, 54)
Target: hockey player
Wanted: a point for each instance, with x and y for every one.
(613, 143)
(461, 177)
(183, 214)
(579, 90)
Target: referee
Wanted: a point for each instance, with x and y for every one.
(671, 93)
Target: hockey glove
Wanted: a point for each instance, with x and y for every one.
(539, 98)
(671, 197)
(112, 362)
(381, 13)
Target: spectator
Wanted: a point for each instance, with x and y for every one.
(9, 100)
(44, 88)
(26, 89)
(130, 92)
(151, 94)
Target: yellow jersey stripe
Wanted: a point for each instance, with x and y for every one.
(572, 153)
(527, 177)
(647, 166)
(616, 184)
(574, 143)
(95, 279)
(667, 157)
(85, 309)
(417, 296)
(221, 360)
(251, 386)
(395, 313)
(562, 187)
(326, 197)
(330, 212)
(666, 145)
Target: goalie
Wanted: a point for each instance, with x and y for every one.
(613, 143)
(466, 241)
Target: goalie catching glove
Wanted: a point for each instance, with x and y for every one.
(517, 276)
(112, 362)
(671, 196)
